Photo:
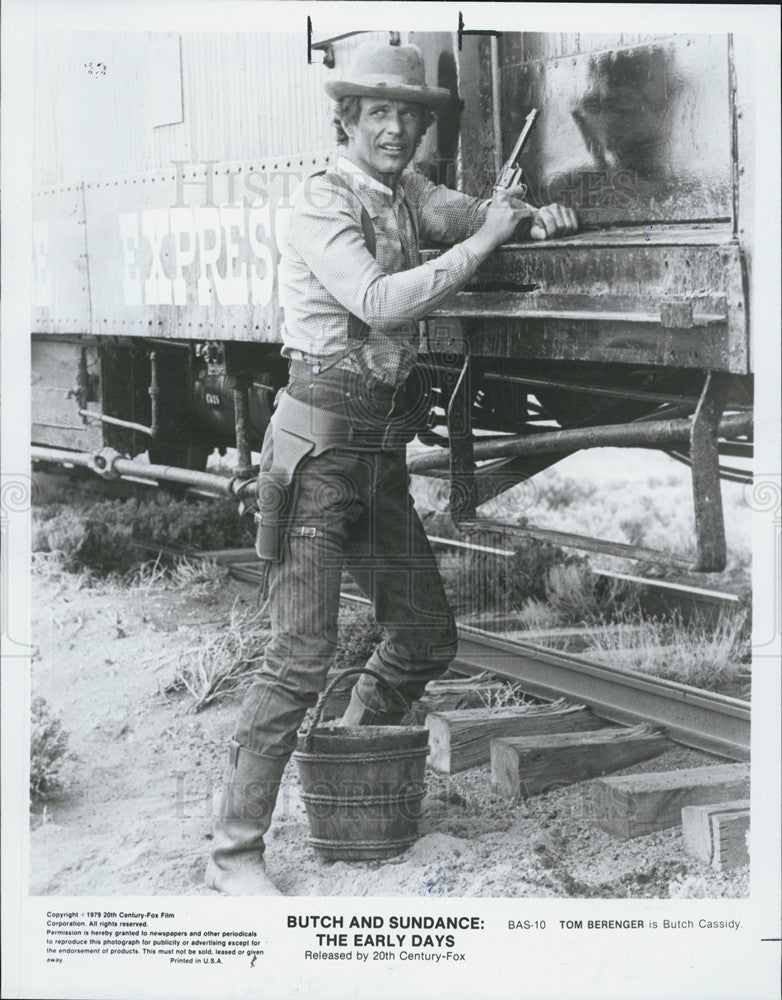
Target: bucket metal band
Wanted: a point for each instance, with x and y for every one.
(364, 755)
(367, 845)
(361, 800)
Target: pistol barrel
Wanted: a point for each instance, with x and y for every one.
(521, 142)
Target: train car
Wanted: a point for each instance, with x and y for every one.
(164, 168)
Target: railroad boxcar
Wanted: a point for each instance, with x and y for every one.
(164, 166)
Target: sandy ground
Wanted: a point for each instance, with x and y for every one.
(135, 816)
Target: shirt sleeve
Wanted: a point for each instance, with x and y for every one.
(445, 215)
(326, 234)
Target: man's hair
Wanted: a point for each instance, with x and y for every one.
(347, 111)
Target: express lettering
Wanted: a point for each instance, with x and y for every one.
(204, 255)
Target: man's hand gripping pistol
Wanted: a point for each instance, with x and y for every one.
(512, 174)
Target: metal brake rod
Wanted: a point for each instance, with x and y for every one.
(109, 463)
(651, 434)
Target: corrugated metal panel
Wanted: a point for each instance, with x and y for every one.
(61, 298)
(158, 250)
(81, 82)
(246, 96)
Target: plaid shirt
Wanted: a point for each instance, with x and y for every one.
(327, 272)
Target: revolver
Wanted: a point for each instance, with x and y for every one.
(511, 174)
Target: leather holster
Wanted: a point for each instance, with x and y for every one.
(296, 431)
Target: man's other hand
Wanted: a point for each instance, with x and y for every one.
(506, 210)
(553, 220)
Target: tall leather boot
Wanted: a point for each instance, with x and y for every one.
(360, 714)
(236, 866)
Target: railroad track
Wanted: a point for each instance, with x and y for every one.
(657, 597)
(700, 719)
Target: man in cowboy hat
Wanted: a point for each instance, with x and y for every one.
(334, 486)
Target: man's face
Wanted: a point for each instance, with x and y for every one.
(384, 138)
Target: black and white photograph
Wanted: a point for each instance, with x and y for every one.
(391, 501)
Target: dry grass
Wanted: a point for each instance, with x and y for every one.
(223, 661)
(537, 614)
(203, 575)
(49, 565)
(691, 654)
(48, 751)
(510, 695)
(579, 596)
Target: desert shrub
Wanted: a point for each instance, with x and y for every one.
(580, 596)
(48, 750)
(98, 538)
(99, 535)
(202, 524)
(561, 492)
(356, 642)
(486, 581)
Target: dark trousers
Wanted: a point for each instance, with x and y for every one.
(352, 509)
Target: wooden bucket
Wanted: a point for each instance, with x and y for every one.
(363, 786)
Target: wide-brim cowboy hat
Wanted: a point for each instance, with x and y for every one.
(392, 71)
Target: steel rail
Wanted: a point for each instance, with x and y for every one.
(700, 719)
(704, 720)
(665, 595)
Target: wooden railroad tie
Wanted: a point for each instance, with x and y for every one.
(528, 765)
(458, 740)
(634, 804)
(453, 694)
(717, 833)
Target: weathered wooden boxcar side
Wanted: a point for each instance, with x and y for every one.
(164, 167)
